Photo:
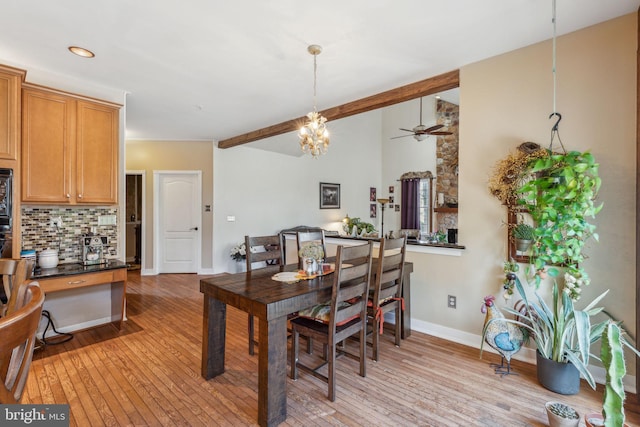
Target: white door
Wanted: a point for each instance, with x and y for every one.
(178, 221)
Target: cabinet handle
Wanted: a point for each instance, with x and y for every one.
(79, 196)
(68, 196)
(76, 282)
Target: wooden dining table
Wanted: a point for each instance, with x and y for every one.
(270, 301)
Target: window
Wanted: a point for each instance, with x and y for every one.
(424, 205)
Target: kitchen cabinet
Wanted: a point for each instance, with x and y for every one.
(10, 83)
(69, 148)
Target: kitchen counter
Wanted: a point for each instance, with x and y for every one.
(71, 269)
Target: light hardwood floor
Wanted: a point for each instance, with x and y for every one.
(149, 374)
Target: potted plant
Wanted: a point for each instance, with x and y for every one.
(523, 234)
(563, 336)
(612, 356)
(560, 196)
(561, 415)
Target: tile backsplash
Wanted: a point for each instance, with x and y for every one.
(39, 234)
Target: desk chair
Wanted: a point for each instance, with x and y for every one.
(267, 249)
(344, 316)
(386, 295)
(18, 331)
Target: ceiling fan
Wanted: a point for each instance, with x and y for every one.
(421, 132)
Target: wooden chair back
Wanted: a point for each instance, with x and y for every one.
(386, 295)
(390, 269)
(310, 236)
(14, 272)
(18, 332)
(269, 249)
(350, 286)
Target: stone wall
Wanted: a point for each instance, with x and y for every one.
(447, 162)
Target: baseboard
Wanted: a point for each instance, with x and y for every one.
(527, 354)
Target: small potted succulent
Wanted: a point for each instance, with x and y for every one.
(561, 415)
(523, 234)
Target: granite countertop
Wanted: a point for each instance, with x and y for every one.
(70, 269)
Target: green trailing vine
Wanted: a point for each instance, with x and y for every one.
(561, 198)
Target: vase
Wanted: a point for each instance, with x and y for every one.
(310, 266)
(559, 377)
(241, 266)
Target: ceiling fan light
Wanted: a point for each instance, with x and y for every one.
(420, 136)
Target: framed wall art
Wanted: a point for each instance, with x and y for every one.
(329, 196)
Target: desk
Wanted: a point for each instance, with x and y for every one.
(72, 276)
(270, 301)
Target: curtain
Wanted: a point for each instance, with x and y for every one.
(409, 212)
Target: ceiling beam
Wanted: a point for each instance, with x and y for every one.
(425, 87)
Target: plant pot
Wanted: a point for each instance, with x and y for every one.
(596, 420)
(562, 378)
(570, 419)
(523, 245)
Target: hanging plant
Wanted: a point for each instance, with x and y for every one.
(561, 199)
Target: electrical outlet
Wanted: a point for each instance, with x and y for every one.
(451, 301)
(56, 222)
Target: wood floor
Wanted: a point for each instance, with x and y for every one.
(148, 374)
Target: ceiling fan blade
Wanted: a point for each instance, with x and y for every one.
(432, 128)
(407, 130)
(402, 136)
(440, 133)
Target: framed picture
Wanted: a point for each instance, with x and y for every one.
(397, 208)
(329, 196)
(391, 200)
(372, 194)
(373, 210)
(391, 189)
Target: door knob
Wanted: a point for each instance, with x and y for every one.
(194, 228)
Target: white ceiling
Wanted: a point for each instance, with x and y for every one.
(211, 69)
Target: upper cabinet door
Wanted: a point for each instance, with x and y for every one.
(48, 135)
(10, 83)
(96, 153)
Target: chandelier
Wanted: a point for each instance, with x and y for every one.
(314, 136)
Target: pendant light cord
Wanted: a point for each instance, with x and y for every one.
(315, 73)
(555, 132)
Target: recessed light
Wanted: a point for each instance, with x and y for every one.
(80, 51)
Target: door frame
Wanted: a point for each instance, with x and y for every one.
(143, 216)
(156, 216)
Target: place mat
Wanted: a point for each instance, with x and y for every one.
(286, 276)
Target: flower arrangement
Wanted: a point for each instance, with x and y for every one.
(239, 252)
(311, 250)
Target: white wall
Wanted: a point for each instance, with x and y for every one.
(268, 192)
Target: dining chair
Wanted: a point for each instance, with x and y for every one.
(13, 273)
(345, 315)
(18, 331)
(266, 249)
(386, 294)
(315, 235)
